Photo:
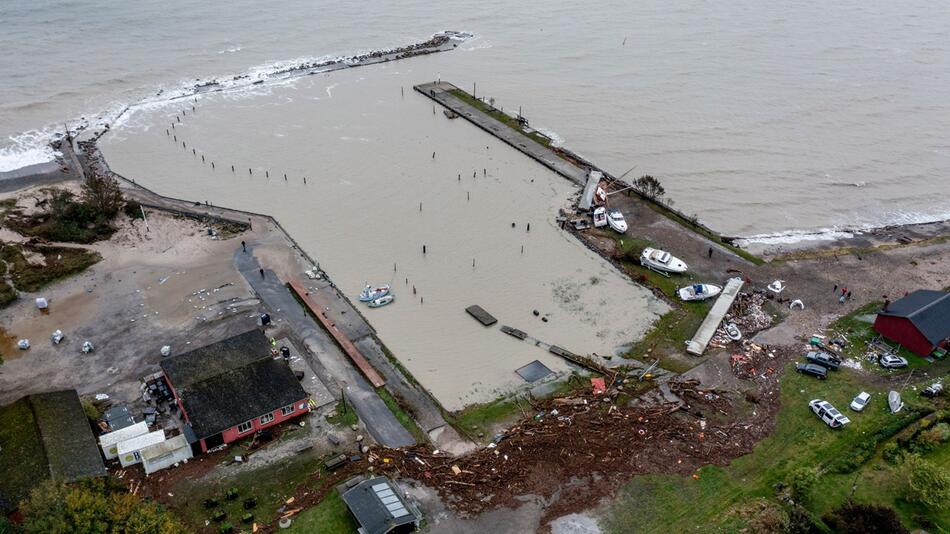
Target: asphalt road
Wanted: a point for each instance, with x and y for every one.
(379, 420)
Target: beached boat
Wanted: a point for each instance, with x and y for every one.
(372, 293)
(733, 332)
(600, 216)
(601, 194)
(894, 401)
(616, 221)
(662, 261)
(699, 291)
(381, 301)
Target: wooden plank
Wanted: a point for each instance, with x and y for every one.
(348, 347)
(481, 315)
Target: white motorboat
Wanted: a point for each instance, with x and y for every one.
(616, 221)
(381, 301)
(894, 401)
(699, 292)
(733, 332)
(662, 261)
(371, 293)
(600, 216)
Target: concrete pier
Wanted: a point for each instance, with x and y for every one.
(704, 333)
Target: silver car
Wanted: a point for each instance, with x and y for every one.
(892, 361)
(861, 401)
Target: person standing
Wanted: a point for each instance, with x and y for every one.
(262, 275)
(709, 252)
(243, 246)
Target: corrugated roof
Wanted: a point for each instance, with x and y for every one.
(928, 310)
(129, 432)
(140, 442)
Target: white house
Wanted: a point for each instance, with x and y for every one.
(110, 442)
(165, 454)
(129, 451)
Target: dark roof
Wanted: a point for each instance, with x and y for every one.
(216, 358)
(232, 381)
(928, 310)
(378, 507)
(43, 436)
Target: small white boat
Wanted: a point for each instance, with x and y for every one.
(661, 261)
(601, 194)
(372, 293)
(381, 301)
(600, 216)
(699, 292)
(733, 332)
(616, 221)
(894, 401)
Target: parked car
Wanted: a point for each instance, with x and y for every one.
(812, 369)
(861, 401)
(892, 361)
(823, 359)
(827, 413)
(933, 390)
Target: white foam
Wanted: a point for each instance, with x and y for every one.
(796, 236)
(30, 148)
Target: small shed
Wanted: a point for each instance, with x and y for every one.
(165, 454)
(130, 450)
(920, 321)
(378, 508)
(109, 442)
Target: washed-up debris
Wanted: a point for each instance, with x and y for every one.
(777, 286)
(42, 303)
(102, 397)
(56, 337)
(23, 344)
(166, 350)
(796, 303)
(87, 347)
(747, 314)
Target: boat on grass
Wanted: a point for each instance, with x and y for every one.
(371, 293)
(381, 301)
(616, 221)
(661, 261)
(699, 292)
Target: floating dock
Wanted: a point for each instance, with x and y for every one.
(576, 359)
(481, 315)
(514, 332)
(704, 333)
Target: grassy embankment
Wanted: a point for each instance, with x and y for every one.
(849, 462)
(858, 328)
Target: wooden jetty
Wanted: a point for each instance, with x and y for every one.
(481, 315)
(514, 332)
(576, 359)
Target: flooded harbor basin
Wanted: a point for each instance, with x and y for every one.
(382, 188)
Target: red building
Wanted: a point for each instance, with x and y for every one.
(920, 322)
(229, 390)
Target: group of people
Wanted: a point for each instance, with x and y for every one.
(845, 294)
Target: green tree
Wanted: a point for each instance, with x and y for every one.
(649, 186)
(801, 481)
(92, 507)
(927, 483)
(102, 195)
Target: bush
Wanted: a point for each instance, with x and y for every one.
(93, 506)
(892, 453)
(855, 518)
(931, 438)
(801, 481)
(132, 209)
(864, 450)
(927, 483)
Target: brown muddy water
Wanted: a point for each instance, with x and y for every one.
(373, 151)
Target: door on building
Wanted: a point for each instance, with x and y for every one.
(213, 441)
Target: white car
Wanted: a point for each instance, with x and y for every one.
(891, 361)
(861, 401)
(827, 413)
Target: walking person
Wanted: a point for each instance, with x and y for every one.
(709, 253)
(262, 275)
(243, 246)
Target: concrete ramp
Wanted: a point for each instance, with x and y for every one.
(704, 333)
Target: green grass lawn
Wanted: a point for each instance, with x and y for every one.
(659, 503)
(501, 117)
(328, 517)
(858, 327)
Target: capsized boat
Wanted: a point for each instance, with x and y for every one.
(660, 260)
(372, 293)
(616, 221)
(600, 216)
(381, 301)
(733, 331)
(894, 401)
(699, 291)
